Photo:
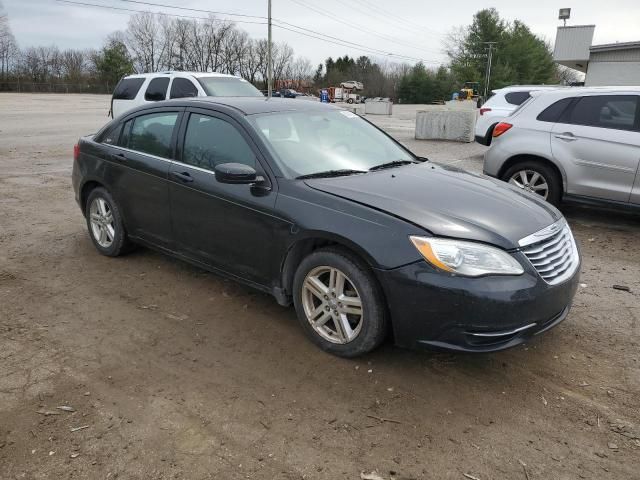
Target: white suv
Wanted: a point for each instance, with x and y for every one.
(500, 104)
(580, 144)
(135, 90)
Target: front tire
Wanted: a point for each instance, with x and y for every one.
(339, 303)
(536, 177)
(105, 225)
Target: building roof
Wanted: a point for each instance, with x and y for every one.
(608, 47)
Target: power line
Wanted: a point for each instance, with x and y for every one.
(402, 21)
(353, 26)
(295, 29)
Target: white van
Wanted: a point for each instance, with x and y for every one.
(135, 90)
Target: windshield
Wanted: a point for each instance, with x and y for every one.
(305, 143)
(228, 87)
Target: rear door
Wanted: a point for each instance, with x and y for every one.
(597, 141)
(143, 154)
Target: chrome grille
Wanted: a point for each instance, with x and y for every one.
(552, 251)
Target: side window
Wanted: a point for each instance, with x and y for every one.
(182, 87)
(606, 111)
(124, 137)
(210, 141)
(157, 89)
(112, 136)
(127, 88)
(554, 111)
(516, 98)
(152, 133)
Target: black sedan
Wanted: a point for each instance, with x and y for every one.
(320, 208)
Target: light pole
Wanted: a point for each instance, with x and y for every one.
(269, 61)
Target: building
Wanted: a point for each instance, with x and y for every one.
(610, 64)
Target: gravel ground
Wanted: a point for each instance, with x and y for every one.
(173, 372)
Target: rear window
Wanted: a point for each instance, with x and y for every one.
(516, 98)
(554, 111)
(157, 89)
(127, 88)
(228, 87)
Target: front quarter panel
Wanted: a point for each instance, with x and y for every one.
(380, 239)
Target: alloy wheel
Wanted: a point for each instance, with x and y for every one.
(102, 222)
(531, 181)
(332, 304)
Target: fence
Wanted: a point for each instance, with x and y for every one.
(50, 87)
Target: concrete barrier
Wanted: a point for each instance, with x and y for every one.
(372, 107)
(446, 124)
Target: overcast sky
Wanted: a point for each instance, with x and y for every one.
(414, 28)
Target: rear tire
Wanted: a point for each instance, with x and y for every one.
(339, 303)
(105, 225)
(536, 177)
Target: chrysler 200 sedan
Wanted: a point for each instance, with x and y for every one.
(321, 209)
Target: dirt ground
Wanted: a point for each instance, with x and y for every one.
(173, 372)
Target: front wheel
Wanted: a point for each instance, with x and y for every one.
(536, 177)
(339, 303)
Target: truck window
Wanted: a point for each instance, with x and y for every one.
(127, 88)
(182, 88)
(157, 89)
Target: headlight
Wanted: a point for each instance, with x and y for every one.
(466, 258)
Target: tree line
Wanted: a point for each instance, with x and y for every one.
(155, 42)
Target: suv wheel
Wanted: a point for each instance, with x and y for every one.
(105, 223)
(338, 303)
(535, 177)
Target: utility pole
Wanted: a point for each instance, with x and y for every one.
(488, 73)
(269, 60)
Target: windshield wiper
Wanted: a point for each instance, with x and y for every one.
(331, 173)
(395, 163)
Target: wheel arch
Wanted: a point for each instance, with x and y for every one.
(520, 158)
(85, 191)
(310, 243)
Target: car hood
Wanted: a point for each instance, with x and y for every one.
(447, 202)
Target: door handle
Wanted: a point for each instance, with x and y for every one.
(568, 136)
(119, 157)
(183, 176)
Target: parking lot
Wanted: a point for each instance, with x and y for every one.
(173, 372)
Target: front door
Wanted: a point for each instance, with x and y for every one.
(599, 146)
(229, 227)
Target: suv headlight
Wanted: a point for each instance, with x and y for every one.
(470, 259)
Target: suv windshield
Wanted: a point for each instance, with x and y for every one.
(305, 143)
(228, 87)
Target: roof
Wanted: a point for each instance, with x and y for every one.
(592, 90)
(255, 105)
(608, 47)
(180, 73)
(525, 88)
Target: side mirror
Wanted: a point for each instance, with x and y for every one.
(236, 173)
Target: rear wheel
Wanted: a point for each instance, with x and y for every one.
(536, 177)
(105, 223)
(338, 303)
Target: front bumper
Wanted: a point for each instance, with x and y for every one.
(439, 311)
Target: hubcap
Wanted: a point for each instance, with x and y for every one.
(332, 304)
(531, 181)
(101, 220)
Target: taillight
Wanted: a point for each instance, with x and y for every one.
(482, 110)
(500, 128)
(76, 151)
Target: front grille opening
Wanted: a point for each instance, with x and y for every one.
(555, 257)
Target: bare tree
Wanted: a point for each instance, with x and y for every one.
(8, 46)
(144, 39)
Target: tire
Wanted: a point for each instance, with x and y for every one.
(103, 218)
(547, 175)
(339, 330)
(350, 100)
